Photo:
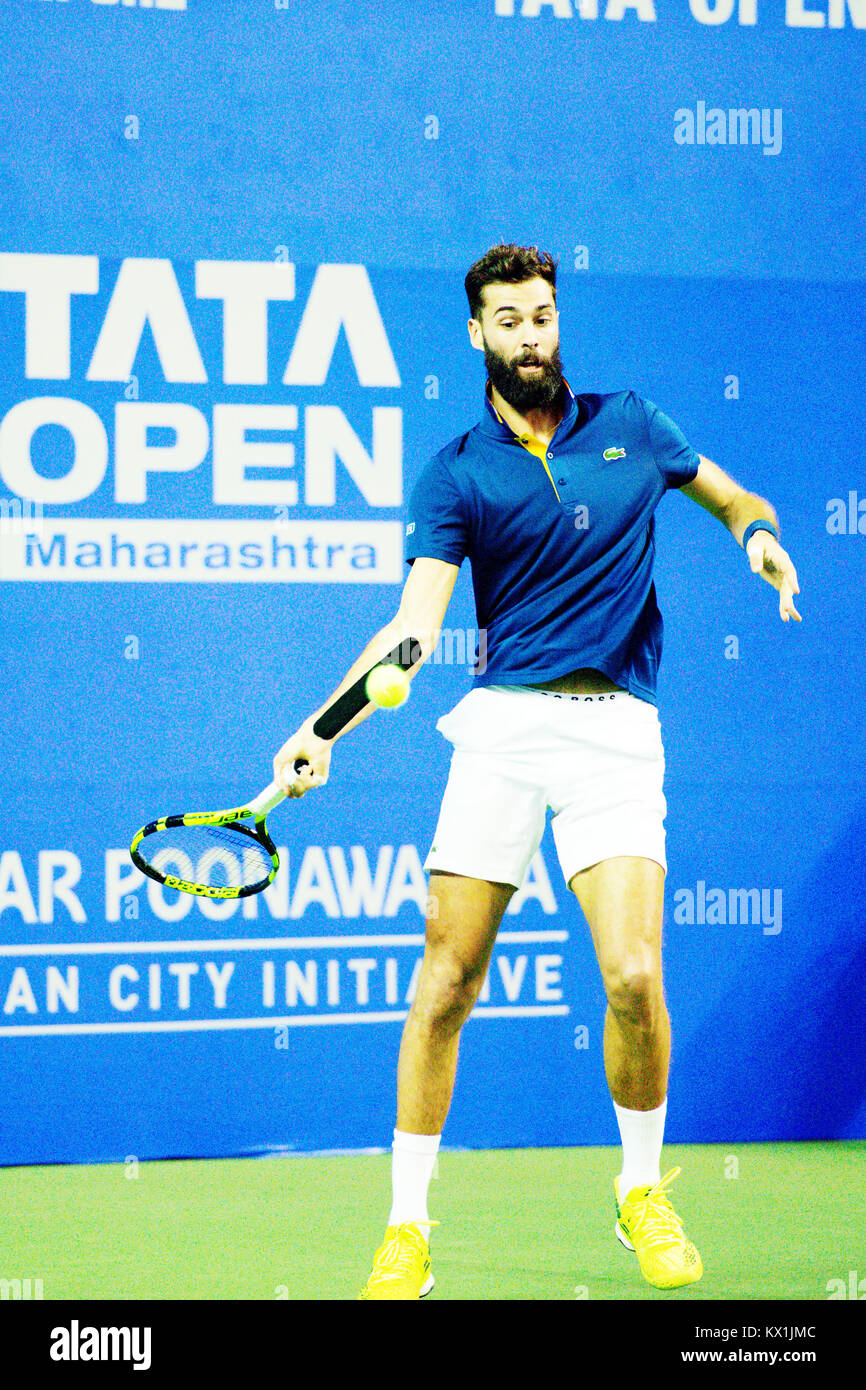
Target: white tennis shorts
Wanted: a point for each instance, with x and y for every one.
(596, 761)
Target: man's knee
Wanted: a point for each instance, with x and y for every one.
(448, 987)
(634, 991)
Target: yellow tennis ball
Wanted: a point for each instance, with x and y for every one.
(387, 686)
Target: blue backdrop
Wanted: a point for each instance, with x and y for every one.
(232, 331)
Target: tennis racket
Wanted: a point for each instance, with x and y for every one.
(229, 853)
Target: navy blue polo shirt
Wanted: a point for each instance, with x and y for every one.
(561, 541)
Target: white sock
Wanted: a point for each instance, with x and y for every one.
(642, 1133)
(412, 1163)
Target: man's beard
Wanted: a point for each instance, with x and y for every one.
(522, 391)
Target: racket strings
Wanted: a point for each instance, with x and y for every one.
(215, 856)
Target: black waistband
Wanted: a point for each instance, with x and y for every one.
(597, 695)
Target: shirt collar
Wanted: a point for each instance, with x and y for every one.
(493, 423)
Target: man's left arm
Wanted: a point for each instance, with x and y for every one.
(720, 495)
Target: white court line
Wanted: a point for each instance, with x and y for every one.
(273, 943)
(224, 1024)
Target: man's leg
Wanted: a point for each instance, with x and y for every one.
(622, 899)
(623, 902)
(463, 917)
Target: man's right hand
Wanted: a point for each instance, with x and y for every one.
(316, 753)
(426, 594)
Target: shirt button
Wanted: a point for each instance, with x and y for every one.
(561, 481)
(550, 456)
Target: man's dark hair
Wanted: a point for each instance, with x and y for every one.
(511, 265)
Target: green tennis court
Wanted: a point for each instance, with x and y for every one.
(772, 1221)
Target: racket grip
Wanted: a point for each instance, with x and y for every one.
(273, 794)
(335, 718)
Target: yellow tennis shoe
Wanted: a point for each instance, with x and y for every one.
(401, 1268)
(647, 1223)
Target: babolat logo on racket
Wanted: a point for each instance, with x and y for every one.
(613, 454)
(201, 890)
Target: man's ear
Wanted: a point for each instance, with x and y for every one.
(475, 335)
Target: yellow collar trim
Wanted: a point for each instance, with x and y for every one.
(534, 446)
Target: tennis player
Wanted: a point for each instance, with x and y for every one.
(551, 497)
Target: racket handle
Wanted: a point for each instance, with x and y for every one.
(273, 794)
(335, 718)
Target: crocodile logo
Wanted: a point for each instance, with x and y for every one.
(613, 454)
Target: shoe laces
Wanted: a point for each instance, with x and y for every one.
(656, 1219)
(397, 1254)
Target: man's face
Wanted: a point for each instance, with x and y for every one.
(519, 335)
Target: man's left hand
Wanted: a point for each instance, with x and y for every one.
(771, 562)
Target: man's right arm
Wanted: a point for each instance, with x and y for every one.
(423, 604)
